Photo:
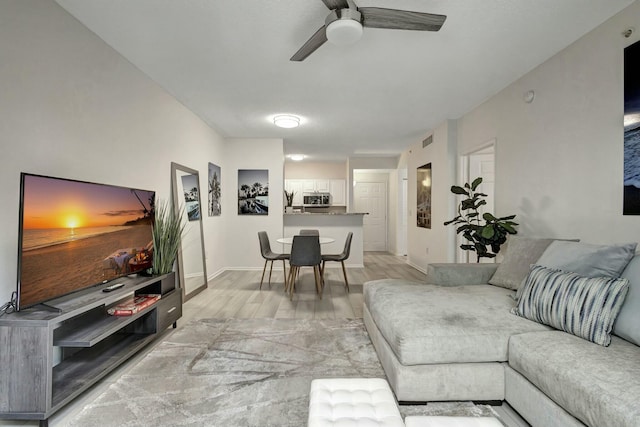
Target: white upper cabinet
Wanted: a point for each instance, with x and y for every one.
(336, 187)
(322, 185)
(338, 192)
(296, 186)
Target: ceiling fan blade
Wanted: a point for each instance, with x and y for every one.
(336, 4)
(311, 45)
(376, 17)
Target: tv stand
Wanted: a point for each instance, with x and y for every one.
(48, 358)
(48, 307)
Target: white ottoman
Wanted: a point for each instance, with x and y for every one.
(353, 402)
(427, 421)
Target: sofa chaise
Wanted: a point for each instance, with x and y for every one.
(462, 335)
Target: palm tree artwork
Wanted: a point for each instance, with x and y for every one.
(253, 192)
(215, 208)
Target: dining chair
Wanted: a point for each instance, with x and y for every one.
(305, 252)
(269, 255)
(340, 258)
(307, 232)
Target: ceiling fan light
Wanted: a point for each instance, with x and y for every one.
(286, 121)
(344, 31)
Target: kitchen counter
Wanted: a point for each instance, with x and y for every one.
(330, 224)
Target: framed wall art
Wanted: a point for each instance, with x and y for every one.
(214, 190)
(253, 192)
(423, 209)
(631, 203)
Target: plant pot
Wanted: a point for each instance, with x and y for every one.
(288, 209)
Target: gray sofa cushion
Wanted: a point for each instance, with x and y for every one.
(598, 385)
(583, 306)
(520, 253)
(588, 259)
(627, 325)
(425, 324)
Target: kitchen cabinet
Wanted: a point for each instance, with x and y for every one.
(295, 185)
(337, 188)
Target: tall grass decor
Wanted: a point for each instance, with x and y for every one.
(167, 233)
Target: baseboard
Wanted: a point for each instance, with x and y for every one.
(216, 274)
(420, 269)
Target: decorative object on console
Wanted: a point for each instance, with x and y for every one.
(133, 305)
(214, 190)
(288, 195)
(253, 192)
(492, 233)
(168, 228)
(583, 306)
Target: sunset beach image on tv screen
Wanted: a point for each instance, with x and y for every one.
(77, 234)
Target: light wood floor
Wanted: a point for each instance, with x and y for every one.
(236, 293)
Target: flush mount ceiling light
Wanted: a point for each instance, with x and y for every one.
(344, 30)
(287, 121)
(296, 157)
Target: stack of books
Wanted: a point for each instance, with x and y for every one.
(133, 305)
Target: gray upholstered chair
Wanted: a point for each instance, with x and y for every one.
(269, 255)
(305, 252)
(340, 258)
(307, 232)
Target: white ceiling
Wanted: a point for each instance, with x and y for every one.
(228, 61)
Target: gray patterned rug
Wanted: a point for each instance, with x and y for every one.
(243, 372)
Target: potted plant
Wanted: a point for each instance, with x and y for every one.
(481, 233)
(167, 233)
(288, 195)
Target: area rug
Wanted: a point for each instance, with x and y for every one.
(242, 373)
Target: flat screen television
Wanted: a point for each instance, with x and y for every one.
(76, 234)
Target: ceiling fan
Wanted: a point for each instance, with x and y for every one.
(345, 22)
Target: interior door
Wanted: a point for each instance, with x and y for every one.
(371, 197)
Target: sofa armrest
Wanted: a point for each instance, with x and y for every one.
(452, 274)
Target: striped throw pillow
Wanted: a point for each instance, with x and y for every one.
(582, 306)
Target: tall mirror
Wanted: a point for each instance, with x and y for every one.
(191, 261)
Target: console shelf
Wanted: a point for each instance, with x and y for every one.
(48, 358)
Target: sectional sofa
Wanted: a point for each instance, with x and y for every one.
(553, 330)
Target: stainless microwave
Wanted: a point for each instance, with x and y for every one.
(316, 199)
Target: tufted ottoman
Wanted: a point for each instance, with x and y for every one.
(428, 421)
(353, 402)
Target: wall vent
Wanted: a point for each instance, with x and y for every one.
(428, 140)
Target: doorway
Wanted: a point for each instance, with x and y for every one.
(371, 197)
(478, 163)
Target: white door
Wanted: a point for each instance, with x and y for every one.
(480, 163)
(483, 165)
(402, 229)
(371, 197)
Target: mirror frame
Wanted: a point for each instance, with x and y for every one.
(175, 167)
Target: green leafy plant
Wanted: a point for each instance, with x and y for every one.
(483, 232)
(289, 196)
(167, 233)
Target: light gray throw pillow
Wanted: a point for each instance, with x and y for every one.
(628, 324)
(520, 253)
(587, 259)
(583, 306)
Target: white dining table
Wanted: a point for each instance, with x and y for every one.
(289, 240)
